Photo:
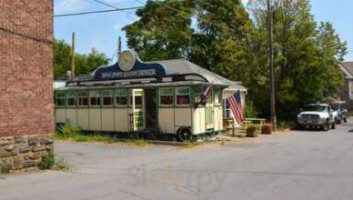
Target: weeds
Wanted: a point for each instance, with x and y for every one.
(60, 164)
(67, 133)
(190, 144)
(54, 163)
(137, 142)
(47, 162)
(74, 134)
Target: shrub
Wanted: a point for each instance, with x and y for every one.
(54, 163)
(4, 168)
(250, 110)
(67, 131)
(251, 131)
(266, 129)
(47, 162)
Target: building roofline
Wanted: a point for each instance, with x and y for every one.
(345, 71)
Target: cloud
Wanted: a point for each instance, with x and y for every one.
(71, 5)
(245, 1)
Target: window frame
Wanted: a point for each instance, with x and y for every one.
(217, 96)
(111, 96)
(99, 97)
(178, 93)
(117, 93)
(226, 108)
(62, 98)
(80, 96)
(68, 94)
(170, 95)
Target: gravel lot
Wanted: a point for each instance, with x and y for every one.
(293, 165)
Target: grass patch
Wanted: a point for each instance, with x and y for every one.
(137, 142)
(55, 163)
(190, 145)
(86, 138)
(67, 133)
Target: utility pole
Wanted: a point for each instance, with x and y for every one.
(73, 54)
(119, 46)
(270, 48)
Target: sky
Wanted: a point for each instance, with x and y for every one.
(101, 31)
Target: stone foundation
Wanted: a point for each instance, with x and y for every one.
(20, 152)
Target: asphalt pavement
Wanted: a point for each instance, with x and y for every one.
(295, 165)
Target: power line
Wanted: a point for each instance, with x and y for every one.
(112, 6)
(98, 11)
(106, 4)
(164, 5)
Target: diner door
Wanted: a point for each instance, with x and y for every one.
(137, 106)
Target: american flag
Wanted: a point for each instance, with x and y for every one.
(204, 96)
(234, 102)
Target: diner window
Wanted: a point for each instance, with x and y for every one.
(121, 97)
(138, 101)
(94, 97)
(71, 99)
(60, 99)
(183, 96)
(227, 113)
(83, 98)
(166, 96)
(107, 98)
(218, 97)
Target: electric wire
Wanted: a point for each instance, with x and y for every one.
(98, 11)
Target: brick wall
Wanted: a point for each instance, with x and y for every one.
(26, 77)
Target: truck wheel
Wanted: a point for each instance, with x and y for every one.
(184, 135)
(325, 127)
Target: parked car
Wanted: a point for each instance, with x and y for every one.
(316, 116)
(342, 113)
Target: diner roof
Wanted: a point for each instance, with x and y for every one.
(182, 66)
(164, 72)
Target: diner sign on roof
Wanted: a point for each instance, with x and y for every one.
(130, 66)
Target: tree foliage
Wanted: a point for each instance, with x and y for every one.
(306, 56)
(222, 37)
(163, 32)
(84, 63)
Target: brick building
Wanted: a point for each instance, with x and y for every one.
(347, 89)
(26, 77)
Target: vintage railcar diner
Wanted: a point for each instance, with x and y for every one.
(173, 97)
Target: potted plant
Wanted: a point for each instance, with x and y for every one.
(251, 131)
(266, 129)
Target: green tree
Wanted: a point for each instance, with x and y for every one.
(226, 40)
(332, 51)
(163, 31)
(85, 64)
(305, 72)
(223, 40)
(62, 54)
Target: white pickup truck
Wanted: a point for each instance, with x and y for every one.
(316, 116)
